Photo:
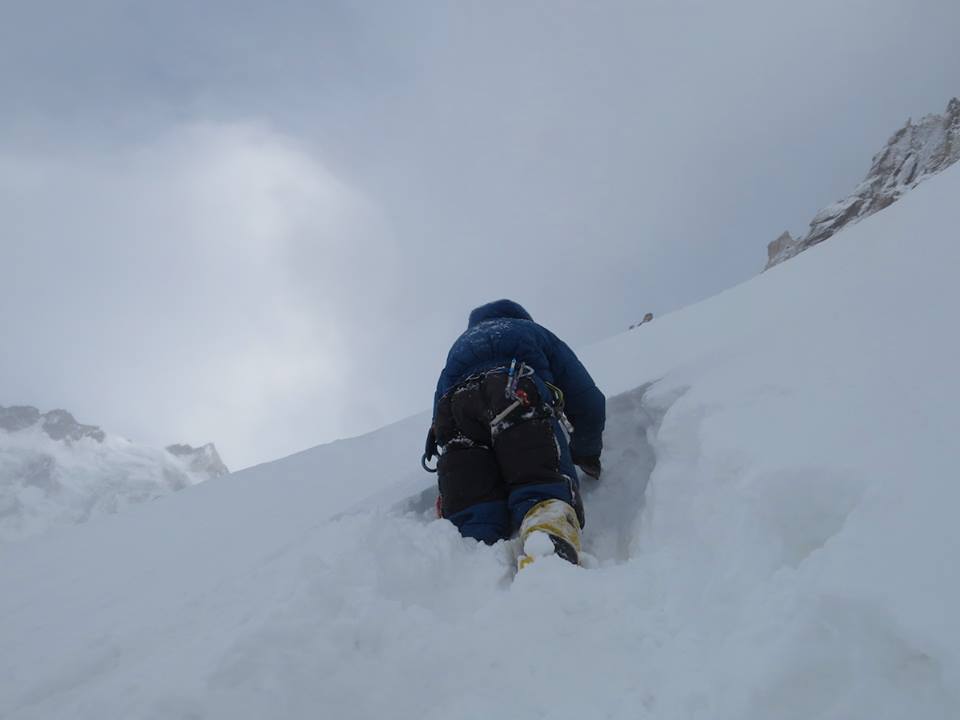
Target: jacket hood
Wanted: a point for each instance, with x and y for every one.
(498, 309)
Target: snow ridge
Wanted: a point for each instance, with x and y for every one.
(912, 155)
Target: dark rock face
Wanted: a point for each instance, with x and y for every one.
(204, 459)
(914, 153)
(57, 424)
(18, 417)
(779, 247)
(60, 425)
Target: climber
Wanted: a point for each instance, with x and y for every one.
(514, 412)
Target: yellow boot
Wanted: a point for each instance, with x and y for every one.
(549, 528)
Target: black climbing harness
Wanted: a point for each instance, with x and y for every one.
(518, 397)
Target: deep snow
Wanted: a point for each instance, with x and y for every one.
(774, 537)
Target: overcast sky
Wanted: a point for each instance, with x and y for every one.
(262, 224)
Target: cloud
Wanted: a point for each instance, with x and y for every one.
(204, 276)
(176, 271)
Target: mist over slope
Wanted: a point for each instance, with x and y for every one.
(774, 537)
(55, 471)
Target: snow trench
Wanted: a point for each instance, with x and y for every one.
(706, 594)
(613, 503)
(390, 600)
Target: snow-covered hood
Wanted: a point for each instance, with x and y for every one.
(498, 309)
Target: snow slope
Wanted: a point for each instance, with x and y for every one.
(774, 537)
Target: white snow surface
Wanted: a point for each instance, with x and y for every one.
(774, 537)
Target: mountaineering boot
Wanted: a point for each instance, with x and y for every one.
(550, 528)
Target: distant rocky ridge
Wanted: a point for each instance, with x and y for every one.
(914, 153)
(57, 471)
(200, 460)
(57, 424)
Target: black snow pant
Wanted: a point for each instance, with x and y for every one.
(494, 468)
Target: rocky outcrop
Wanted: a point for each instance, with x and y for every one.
(783, 246)
(914, 153)
(57, 424)
(203, 460)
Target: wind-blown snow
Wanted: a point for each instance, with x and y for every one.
(55, 471)
(774, 537)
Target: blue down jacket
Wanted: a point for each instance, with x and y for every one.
(501, 331)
